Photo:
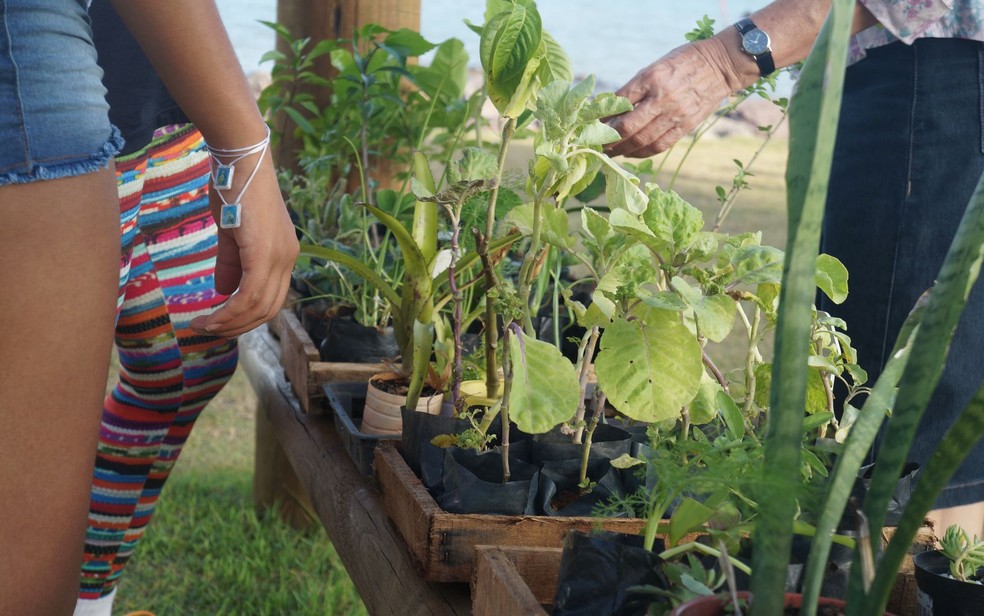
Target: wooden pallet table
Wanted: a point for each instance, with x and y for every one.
(351, 511)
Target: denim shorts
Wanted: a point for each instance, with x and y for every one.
(54, 119)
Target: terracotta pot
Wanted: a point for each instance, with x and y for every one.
(382, 411)
(714, 605)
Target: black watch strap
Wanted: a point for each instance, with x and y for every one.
(765, 63)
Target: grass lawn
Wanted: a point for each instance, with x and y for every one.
(207, 553)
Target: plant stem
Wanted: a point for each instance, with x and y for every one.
(457, 368)
(585, 352)
(491, 327)
(750, 358)
(599, 410)
(506, 393)
(715, 371)
(693, 546)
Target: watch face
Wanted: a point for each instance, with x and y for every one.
(755, 42)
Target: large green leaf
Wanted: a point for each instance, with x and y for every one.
(553, 226)
(544, 387)
(649, 369)
(622, 191)
(757, 265)
(832, 278)
(447, 74)
(554, 63)
(673, 221)
(714, 314)
(814, 115)
(508, 43)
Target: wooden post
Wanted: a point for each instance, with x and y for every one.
(333, 19)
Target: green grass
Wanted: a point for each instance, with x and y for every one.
(206, 551)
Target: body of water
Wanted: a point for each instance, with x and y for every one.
(611, 39)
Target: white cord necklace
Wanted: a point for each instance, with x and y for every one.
(223, 171)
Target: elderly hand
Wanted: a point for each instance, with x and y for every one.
(672, 96)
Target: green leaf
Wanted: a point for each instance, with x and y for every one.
(474, 164)
(408, 43)
(715, 314)
(595, 224)
(625, 461)
(300, 120)
(603, 106)
(544, 387)
(673, 221)
(508, 43)
(553, 227)
(447, 74)
(650, 370)
(597, 133)
(832, 278)
(814, 117)
(704, 408)
(689, 516)
(622, 191)
(731, 414)
(757, 265)
(554, 63)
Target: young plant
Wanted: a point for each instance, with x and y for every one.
(966, 555)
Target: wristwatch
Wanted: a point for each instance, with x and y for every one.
(756, 43)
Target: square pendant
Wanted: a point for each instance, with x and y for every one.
(223, 177)
(230, 216)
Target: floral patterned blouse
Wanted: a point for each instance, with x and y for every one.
(908, 20)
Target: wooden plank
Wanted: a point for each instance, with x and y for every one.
(444, 543)
(374, 554)
(513, 580)
(304, 369)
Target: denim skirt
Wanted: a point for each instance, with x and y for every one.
(909, 153)
(54, 119)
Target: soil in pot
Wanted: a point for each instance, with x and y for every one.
(598, 571)
(560, 495)
(385, 399)
(472, 483)
(940, 594)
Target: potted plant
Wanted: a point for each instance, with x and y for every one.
(951, 579)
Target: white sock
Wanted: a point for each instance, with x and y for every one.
(103, 606)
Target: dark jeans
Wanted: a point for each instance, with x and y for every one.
(910, 150)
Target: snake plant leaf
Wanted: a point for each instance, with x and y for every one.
(544, 387)
(649, 369)
(814, 115)
(714, 314)
(421, 348)
(832, 278)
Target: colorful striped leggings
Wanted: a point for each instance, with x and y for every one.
(168, 373)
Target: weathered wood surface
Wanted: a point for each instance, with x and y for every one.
(514, 580)
(444, 543)
(303, 366)
(351, 511)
